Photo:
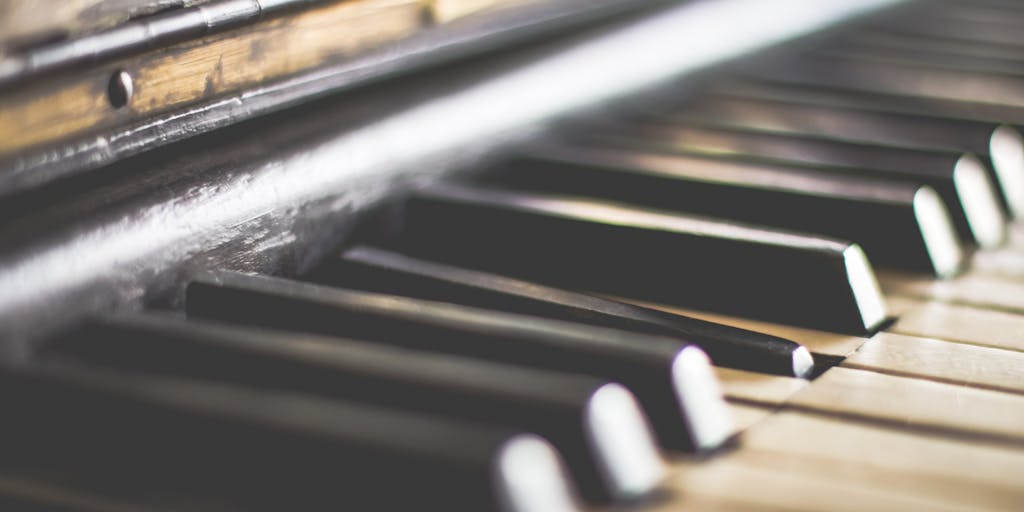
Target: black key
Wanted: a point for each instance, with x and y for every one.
(961, 23)
(683, 260)
(903, 42)
(984, 139)
(191, 445)
(960, 179)
(899, 225)
(382, 271)
(929, 60)
(1005, 146)
(671, 379)
(610, 459)
(904, 78)
(979, 95)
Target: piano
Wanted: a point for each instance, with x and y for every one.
(511, 255)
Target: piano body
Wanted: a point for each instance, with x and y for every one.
(511, 255)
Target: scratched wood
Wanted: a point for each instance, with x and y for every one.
(213, 66)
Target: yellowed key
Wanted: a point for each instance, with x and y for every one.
(917, 403)
(757, 387)
(969, 289)
(946, 361)
(971, 473)
(953, 322)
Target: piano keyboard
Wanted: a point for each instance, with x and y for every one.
(799, 287)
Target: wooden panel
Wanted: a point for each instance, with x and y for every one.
(969, 289)
(202, 69)
(916, 403)
(757, 387)
(819, 342)
(965, 324)
(946, 361)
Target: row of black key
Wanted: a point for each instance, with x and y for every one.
(751, 200)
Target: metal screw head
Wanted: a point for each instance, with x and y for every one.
(120, 88)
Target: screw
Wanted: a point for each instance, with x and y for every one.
(120, 88)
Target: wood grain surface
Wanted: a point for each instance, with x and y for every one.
(203, 69)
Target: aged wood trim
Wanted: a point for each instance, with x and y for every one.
(188, 72)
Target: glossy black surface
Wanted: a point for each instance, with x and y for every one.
(378, 270)
(550, 404)
(877, 214)
(196, 445)
(675, 259)
(643, 363)
(932, 167)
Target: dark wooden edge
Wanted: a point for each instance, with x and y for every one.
(457, 40)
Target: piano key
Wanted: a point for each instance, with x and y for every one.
(647, 254)
(1005, 262)
(899, 225)
(1005, 148)
(930, 60)
(961, 23)
(820, 343)
(887, 39)
(378, 270)
(610, 460)
(984, 139)
(905, 354)
(260, 450)
(959, 178)
(882, 460)
(938, 360)
(849, 96)
(672, 380)
(902, 450)
(908, 402)
(755, 481)
(954, 322)
(969, 289)
(988, 95)
(759, 389)
(748, 415)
